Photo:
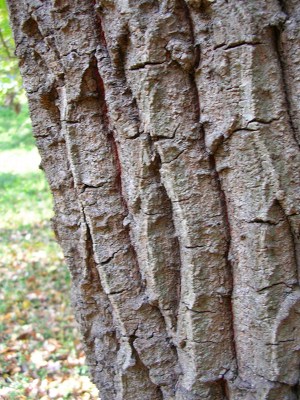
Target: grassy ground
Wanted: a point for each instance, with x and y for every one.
(40, 352)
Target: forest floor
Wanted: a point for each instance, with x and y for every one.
(40, 352)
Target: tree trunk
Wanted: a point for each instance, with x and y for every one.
(169, 133)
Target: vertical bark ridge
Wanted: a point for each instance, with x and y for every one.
(88, 298)
(98, 331)
(144, 186)
(230, 371)
(140, 370)
(293, 229)
(152, 230)
(239, 133)
(277, 45)
(286, 42)
(92, 306)
(287, 39)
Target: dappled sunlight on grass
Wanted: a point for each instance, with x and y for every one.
(19, 161)
(15, 130)
(24, 199)
(40, 352)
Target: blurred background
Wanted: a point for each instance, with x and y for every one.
(40, 352)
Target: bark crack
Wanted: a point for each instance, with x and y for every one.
(168, 213)
(145, 64)
(224, 206)
(235, 45)
(274, 285)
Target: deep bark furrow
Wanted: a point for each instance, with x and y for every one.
(229, 269)
(112, 69)
(288, 44)
(158, 253)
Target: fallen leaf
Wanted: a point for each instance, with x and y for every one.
(37, 358)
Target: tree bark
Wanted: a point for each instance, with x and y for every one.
(169, 133)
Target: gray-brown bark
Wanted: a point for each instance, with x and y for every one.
(169, 134)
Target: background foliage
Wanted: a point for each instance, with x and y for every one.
(11, 92)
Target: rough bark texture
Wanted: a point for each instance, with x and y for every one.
(169, 132)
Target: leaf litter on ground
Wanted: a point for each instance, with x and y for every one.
(41, 356)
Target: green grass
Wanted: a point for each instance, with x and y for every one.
(40, 352)
(15, 130)
(24, 194)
